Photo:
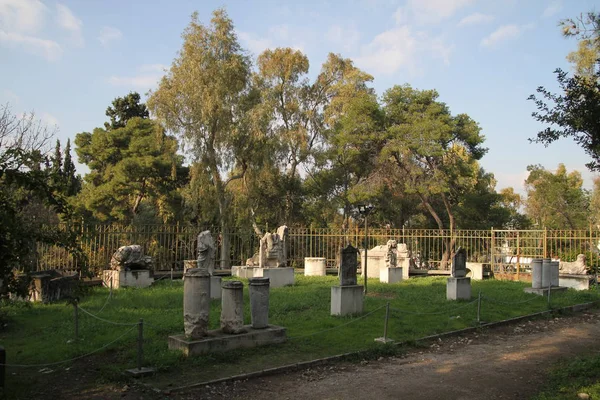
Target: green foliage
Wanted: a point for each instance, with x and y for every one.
(573, 113)
(133, 170)
(556, 200)
(586, 28)
(123, 109)
(571, 377)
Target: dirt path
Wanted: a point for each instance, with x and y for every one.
(503, 363)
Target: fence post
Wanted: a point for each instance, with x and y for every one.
(549, 291)
(492, 249)
(76, 315)
(2, 366)
(140, 355)
(387, 317)
(479, 308)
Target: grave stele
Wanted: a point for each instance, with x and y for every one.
(348, 266)
(459, 263)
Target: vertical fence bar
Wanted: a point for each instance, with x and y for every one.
(140, 355)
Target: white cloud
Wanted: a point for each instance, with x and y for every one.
(278, 36)
(22, 16)
(429, 11)
(49, 120)
(68, 21)
(346, 37)
(400, 48)
(476, 18)
(109, 34)
(552, 9)
(503, 33)
(147, 77)
(48, 49)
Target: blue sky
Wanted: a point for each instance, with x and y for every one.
(68, 60)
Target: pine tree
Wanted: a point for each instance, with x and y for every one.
(72, 181)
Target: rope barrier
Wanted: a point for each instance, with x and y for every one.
(511, 303)
(434, 313)
(71, 359)
(106, 320)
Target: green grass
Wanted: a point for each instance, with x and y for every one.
(569, 378)
(44, 333)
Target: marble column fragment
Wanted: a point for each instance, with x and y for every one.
(536, 273)
(196, 303)
(259, 302)
(232, 307)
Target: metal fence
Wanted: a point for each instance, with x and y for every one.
(169, 245)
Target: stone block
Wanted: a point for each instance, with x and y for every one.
(217, 341)
(140, 278)
(315, 266)
(215, 287)
(278, 277)
(245, 272)
(577, 282)
(346, 300)
(375, 261)
(544, 291)
(390, 275)
(476, 271)
(458, 289)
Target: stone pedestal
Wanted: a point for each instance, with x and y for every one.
(544, 291)
(554, 273)
(476, 271)
(232, 307)
(196, 303)
(546, 273)
(315, 266)
(458, 289)
(244, 272)
(215, 287)
(577, 282)
(259, 302)
(278, 277)
(140, 278)
(536, 273)
(218, 342)
(346, 299)
(390, 274)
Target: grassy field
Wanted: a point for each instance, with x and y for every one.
(40, 334)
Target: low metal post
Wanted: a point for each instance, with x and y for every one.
(385, 326)
(479, 308)
(549, 291)
(140, 355)
(2, 366)
(76, 316)
(171, 273)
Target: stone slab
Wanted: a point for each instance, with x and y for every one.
(577, 282)
(278, 277)
(245, 272)
(390, 275)
(458, 289)
(140, 372)
(138, 278)
(315, 266)
(347, 300)
(218, 342)
(375, 262)
(215, 287)
(384, 340)
(476, 271)
(544, 291)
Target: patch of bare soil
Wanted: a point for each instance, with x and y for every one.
(509, 362)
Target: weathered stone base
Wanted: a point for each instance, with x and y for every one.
(315, 266)
(138, 373)
(477, 270)
(138, 278)
(347, 299)
(215, 287)
(390, 275)
(384, 340)
(544, 291)
(245, 272)
(278, 277)
(217, 341)
(458, 289)
(577, 282)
